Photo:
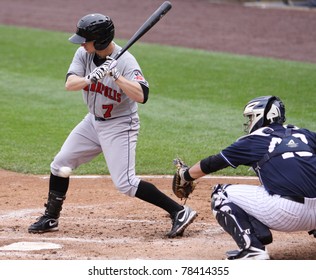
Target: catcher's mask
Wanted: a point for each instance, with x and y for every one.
(262, 111)
(94, 27)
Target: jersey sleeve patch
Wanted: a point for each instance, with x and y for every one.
(138, 77)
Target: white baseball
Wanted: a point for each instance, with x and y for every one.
(64, 172)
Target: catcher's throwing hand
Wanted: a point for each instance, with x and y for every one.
(180, 187)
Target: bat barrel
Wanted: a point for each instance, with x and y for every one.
(147, 25)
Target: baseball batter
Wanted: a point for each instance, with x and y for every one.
(283, 157)
(111, 90)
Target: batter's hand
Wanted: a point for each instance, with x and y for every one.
(97, 74)
(110, 63)
(112, 70)
(115, 74)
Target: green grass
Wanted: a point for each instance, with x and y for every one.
(194, 110)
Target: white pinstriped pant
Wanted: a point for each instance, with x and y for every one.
(275, 212)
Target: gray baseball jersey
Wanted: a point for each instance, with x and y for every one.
(105, 99)
(111, 127)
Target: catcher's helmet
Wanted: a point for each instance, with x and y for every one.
(94, 27)
(262, 111)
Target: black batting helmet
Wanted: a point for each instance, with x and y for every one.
(94, 27)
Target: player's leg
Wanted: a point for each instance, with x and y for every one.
(274, 211)
(119, 148)
(80, 146)
(182, 216)
(49, 220)
(249, 233)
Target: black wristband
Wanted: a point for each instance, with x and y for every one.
(187, 176)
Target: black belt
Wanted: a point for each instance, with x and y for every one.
(99, 119)
(298, 199)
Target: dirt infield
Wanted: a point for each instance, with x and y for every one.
(97, 222)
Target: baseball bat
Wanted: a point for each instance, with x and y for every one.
(147, 25)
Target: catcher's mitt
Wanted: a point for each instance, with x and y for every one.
(180, 187)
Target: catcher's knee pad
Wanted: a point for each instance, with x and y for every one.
(218, 197)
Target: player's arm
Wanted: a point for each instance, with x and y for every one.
(74, 82)
(136, 90)
(205, 166)
(133, 89)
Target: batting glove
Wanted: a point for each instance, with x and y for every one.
(97, 74)
(112, 70)
(115, 74)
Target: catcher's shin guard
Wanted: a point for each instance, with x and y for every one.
(227, 220)
(245, 230)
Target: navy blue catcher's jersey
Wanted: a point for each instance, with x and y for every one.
(288, 173)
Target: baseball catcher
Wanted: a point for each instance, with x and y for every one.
(283, 157)
(180, 187)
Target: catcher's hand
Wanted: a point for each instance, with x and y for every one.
(180, 187)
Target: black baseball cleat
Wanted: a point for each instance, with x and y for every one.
(288, 2)
(181, 221)
(44, 224)
(252, 253)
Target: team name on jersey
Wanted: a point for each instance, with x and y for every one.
(105, 91)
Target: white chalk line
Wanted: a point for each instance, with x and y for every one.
(157, 177)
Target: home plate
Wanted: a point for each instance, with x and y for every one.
(30, 246)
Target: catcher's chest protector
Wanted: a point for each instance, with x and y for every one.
(288, 144)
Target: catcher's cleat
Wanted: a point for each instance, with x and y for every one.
(44, 224)
(252, 253)
(288, 2)
(312, 232)
(181, 221)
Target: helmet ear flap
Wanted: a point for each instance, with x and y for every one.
(101, 45)
(274, 111)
